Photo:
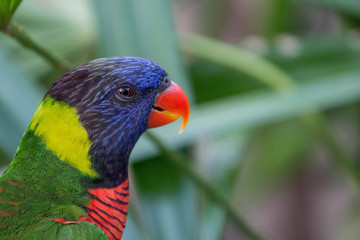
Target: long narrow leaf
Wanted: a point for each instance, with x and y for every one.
(237, 59)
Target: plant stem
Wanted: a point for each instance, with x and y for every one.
(19, 34)
(179, 160)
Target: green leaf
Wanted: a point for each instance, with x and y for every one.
(277, 17)
(7, 9)
(132, 230)
(238, 59)
(219, 159)
(167, 199)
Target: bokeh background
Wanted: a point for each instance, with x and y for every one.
(271, 150)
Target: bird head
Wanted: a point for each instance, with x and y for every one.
(117, 99)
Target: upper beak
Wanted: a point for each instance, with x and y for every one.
(169, 106)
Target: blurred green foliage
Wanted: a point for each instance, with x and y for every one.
(275, 90)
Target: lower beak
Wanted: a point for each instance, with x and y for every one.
(170, 105)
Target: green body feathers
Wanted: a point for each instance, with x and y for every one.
(53, 189)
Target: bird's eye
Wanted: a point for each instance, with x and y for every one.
(164, 83)
(126, 92)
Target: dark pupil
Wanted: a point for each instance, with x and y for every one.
(126, 91)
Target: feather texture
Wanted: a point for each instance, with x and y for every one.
(68, 179)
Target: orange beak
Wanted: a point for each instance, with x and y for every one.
(169, 106)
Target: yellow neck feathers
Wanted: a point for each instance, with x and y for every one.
(59, 126)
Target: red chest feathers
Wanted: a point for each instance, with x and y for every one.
(108, 209)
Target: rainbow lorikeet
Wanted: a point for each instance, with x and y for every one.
(69, 177)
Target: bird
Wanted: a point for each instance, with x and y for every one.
(69, 176)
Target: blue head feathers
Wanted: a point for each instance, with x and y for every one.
(114, 97)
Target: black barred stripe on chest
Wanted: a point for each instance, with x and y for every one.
(108, 209)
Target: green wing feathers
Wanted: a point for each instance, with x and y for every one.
(77, 231)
